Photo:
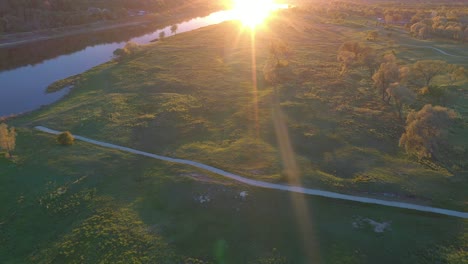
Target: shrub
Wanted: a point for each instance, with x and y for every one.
(65, 138)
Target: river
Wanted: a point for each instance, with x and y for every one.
(27, 70)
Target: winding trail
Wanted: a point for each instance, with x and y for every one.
(433, 48)
(268, 185)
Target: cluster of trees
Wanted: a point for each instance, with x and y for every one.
(443, 19)
(447, 26)
(426, 129)
(28, 15)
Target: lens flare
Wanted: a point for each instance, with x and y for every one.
(252, 12)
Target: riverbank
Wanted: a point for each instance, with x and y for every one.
(201, 8)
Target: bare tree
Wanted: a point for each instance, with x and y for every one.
(368, 58)
(387, 74)
(276, 69)
(401, 96)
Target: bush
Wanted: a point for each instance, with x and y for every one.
(65, 138)
(130, 48)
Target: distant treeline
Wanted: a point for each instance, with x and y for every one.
(29, 15)
(38, 51)
(424, 19)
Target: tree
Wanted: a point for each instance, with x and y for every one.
(426, 70)
(129, 48)
(368, 58)
(174, 29)
(279, 51)
(372, 35)
(65, 138)
(346, 58)
(7, 139)
(401, 96)
(348, 54)
(387, 74)
(352, 52)
(426, 131)
(420, 30)
(276, 67)
(270, 72)
(162, 35)
(456, 73)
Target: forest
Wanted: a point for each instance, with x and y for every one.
(441, 19)
(30, 15)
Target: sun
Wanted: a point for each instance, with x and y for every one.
(252, 12)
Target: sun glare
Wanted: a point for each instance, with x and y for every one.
(252, 12)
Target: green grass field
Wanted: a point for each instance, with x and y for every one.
(193, 96)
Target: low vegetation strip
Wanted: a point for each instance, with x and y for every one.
(296, 189)
(433, 48)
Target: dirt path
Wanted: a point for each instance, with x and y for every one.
(419, 46)
(433, 48)
(269, 185)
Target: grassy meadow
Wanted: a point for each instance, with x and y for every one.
(198, 96)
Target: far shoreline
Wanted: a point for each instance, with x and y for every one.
(160, 19)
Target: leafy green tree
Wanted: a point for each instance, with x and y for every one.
(7, 139)
(427, 130)
(65, 138)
